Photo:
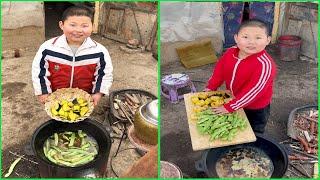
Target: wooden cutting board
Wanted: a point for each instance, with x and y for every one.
(201, 142)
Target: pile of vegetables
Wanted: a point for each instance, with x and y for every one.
(70, 148)
(70, 110)
(204, 100)
(224, 127)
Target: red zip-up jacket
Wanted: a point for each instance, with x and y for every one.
(250, 80)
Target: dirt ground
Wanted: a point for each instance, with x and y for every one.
(295, 86)
(22, 113)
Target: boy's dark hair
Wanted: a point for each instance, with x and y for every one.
(254, 23)
(77, 10)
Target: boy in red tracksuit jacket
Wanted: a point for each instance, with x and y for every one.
(248, 72)
(73, 59)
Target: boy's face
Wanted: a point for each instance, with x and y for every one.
(251, 40)
(76, 29)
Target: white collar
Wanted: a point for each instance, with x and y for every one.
(61, 41)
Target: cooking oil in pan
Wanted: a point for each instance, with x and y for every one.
(245, 162)
(70, 149)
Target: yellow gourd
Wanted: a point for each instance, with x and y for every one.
(54, 111)
(83, 111)
(207, 101)
(200, 102)
(194, 99)
(203, 95)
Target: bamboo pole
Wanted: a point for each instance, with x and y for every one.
(275, 22)
(96, 17)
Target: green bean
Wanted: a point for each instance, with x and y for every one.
(213, 127)
(72, 138)
(12, 166)
(219, 126)
(52, 152)
(83, 141)
(45, 151)
(56, 148)
(79, 158)
(85, 146)
(79, 151)
(65, 137)
(51, 158)
(60, 161)
(84, 160)
(81, 134)
(202, 120)
(56, 139)
(69, 153)
(217, 132)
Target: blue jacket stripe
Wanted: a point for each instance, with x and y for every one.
(88, 56)
(100, 73)
(59, 55)
(42, 73)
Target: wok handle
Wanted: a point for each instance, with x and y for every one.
(199, 165)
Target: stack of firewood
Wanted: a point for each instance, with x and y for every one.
(126, 105)
(306, 123)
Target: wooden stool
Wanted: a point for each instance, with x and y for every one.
(171, 83)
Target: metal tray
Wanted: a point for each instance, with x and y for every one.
(112, 96)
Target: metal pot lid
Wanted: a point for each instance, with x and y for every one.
(150, 112)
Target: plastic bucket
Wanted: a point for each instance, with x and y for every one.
(289, 47)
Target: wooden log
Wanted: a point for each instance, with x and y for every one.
(125, 113)
(132, 99)
(310, 119)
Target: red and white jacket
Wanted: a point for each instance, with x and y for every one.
(250, 80)
(55, 66)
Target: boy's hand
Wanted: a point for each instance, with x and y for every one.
(206, 90)
(96, 98)
(42, 98)
(220, 110)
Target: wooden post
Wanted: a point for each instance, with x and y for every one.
(96, 17)
(275, 22)
(153, 35)
(285, 22)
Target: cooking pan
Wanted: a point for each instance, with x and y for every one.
(95, 168)
(271, 148)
